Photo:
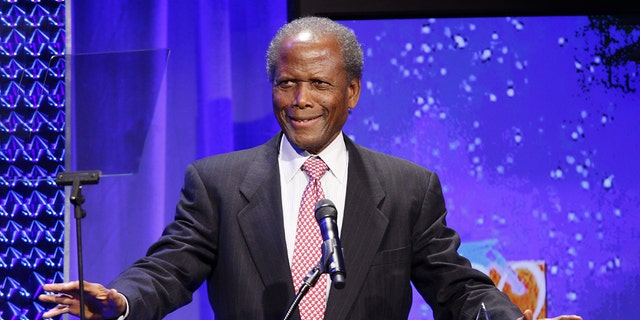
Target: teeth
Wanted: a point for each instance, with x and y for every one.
(303, 120)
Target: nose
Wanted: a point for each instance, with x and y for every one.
(303, 96)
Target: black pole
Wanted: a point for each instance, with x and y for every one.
(313, 276)
(309, 281)
(77, 199)
(76, 180)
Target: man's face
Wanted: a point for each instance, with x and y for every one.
(311, 95)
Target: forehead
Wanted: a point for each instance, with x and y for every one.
(304, 50)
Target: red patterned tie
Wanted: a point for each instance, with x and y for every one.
(307, 249)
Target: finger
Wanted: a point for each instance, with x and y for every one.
(66, 287)
(60, 298)
(528, 315)
(117, 300)
(112, 295)
(47, 298)
(56, 311)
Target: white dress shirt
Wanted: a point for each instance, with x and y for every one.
(293, 181)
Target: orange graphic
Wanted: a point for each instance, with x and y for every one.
(525, 284)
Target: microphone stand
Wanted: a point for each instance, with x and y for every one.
(76, 180)
(310, 279)
(483, 314)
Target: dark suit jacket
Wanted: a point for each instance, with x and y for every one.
(228, 230)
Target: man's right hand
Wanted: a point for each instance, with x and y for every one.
(100, 302)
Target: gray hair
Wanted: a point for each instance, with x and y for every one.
(349, 45)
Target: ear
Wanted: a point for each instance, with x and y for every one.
(354, 93)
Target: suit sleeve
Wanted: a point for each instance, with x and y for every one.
(177, 264)
(445, 279)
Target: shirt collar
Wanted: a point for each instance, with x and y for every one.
(334, 155)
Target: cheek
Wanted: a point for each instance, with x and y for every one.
(328, 100)
(280, 101)
(343, 115)
(340, 108)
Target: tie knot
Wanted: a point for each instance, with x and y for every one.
(314, 167)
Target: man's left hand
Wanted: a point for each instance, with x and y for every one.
(528, 315)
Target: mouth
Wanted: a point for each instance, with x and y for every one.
(304, 121)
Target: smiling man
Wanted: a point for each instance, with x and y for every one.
(312, 90)
(241, 222)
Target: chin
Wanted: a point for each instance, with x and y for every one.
(302, 145)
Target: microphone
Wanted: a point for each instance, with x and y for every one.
(327, 215)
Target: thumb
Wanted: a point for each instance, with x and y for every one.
(528, 315)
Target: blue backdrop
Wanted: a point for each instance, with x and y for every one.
(530, 123)
(214, 97)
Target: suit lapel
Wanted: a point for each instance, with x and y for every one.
(261, 219)
(363, 227)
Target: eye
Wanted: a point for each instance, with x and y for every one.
(285, 84)
(320, 85)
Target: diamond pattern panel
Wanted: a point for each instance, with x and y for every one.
(32, 141)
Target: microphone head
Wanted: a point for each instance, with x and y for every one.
(325, 208)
